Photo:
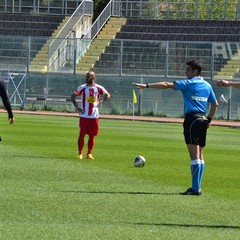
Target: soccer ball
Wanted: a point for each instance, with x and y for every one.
(139, 161)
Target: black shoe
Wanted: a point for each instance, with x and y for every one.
(190, 191)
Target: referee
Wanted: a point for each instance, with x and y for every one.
(197, 93)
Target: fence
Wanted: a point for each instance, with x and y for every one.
(125, 57)
(53, 91)
(124, 62)
(190, 9)
(54, 7)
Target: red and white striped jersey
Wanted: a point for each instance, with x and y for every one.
(90, 97)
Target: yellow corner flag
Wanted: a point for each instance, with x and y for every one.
(134, 97)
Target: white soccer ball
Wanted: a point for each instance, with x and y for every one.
(139, 161)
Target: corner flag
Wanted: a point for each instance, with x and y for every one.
(134, 97)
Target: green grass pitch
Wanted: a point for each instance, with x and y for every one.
(46, 193)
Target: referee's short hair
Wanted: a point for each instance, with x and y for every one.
(195, 65)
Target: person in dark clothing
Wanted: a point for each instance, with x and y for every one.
(6, 103)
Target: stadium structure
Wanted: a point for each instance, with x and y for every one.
(46, 48)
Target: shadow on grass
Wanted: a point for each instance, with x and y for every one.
(185, 225)
(109, 192)
(37, 156)
(153, 224)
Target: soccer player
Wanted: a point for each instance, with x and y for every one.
(6, 103)
(197, 93)
(90, 93)
(224, 83)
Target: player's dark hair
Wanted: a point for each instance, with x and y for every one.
(195, 65)
(90, 73)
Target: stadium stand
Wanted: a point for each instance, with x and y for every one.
(147, 57)
(15, 30)
(180, 30)
(29, 25)
(137, 58)
(144, 58)
(100, 43)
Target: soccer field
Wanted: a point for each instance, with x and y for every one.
(46, 193)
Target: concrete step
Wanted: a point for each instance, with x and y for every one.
(106, 36)
(94, 52)
(38, 65)
(37, 68)
(84, 68)
(233, 62)
(222, 77)
(231, 66)
(116, 20)
(89, 58)
(100, 42)
(236, 57)
(44, 48)
(99, 45)
(40, 61)
(41, 55)
(229, 70)
(226, 74)
(85, 63)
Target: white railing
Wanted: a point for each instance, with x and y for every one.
(60, 41)
(112, 9)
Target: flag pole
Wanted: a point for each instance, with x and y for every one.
(133, 110)
(134, 101)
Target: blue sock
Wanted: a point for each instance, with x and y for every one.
(201, 172)
(196, 173)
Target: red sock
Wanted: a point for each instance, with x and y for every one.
(80, 143)
(90, 144)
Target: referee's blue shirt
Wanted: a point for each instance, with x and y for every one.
(197, 93)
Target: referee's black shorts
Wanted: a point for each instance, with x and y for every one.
(195, 127)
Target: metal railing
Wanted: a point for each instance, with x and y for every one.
(141, 61)
(59, 43)
(112, 9)
(48, 7)
(128, 57)
(56, 89)
(190, 9)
